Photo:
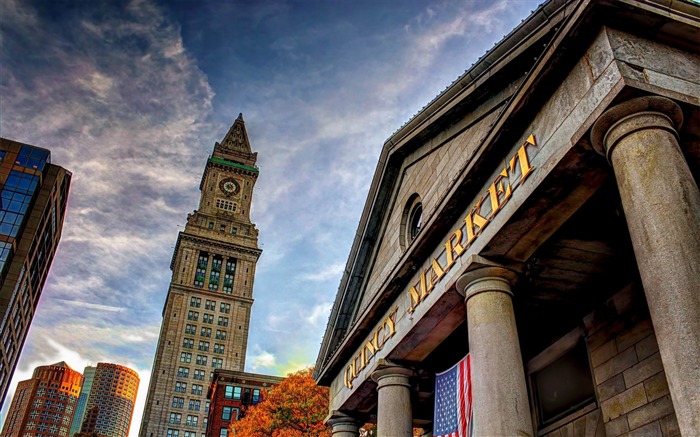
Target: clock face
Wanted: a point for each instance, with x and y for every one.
(229, 186)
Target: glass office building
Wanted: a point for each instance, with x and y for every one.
(33, 198)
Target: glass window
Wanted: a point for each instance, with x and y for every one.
(237, 393)
(215, 273)
(223, 321)
(192, 315)
(210, 305)
(563, 386)
(206, 332)
(225, 308)
(201, 270)
(220, 335)
(228, 276)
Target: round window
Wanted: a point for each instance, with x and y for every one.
(411, 221)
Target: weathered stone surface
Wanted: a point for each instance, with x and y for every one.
(632, 336)
(650, 412)
(623, 403)
(615, 365)
(647, 347)
(611, 387)
(651, 430)
(616, 427)
(603, 353)
(652, 174)
(669, 426)
(656, 386)
(643, 370)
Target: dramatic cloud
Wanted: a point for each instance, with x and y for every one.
(130, 96)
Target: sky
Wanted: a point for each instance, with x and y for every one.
(130, 96)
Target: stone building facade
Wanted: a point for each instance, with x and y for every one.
(207, 309)
(542, 215)
(33, 199)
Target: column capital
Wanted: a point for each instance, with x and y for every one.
(485, 275)
(633, 115)
(389, 373)
(336, 417)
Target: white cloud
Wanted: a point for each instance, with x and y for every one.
(325, 273)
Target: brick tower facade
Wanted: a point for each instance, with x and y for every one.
(207, 310)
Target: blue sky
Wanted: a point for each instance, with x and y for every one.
(131, 95)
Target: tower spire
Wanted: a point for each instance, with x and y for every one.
(236, 140)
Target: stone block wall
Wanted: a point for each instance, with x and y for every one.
(629, 377)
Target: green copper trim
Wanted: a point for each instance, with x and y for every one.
(233, 164)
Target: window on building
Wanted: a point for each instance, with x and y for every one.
(185, 357)
(218, 348)
(201, 271)
(217, 363)
(228, 276)
(195, 302)
(227, 413)
(220, 335)
(225, 308)
(188, 343)
(197, 390)
(201, 360)
(237, 393)
(256, 396)
(173, 433)
(180, 387)
(199, 375)
(190, 329)
(210, 305)
(215, 273)
(192, 315)
(223, 321)
(192, 420)
(178, 402)
(223, 432)
(183, 372)
(175, 418)
(204, 346)
(561, 386)
(206, 332)
(208, 318)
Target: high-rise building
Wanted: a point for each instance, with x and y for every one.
(88, 377)
(45, 404)
(207, 309)
(110, 402)
(33, 197)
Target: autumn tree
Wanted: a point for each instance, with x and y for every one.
(294, 408)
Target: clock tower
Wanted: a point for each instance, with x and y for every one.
(207, 309)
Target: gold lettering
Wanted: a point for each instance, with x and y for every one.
(438, 272)
(496, 189)
(414, 297)
(391, 322)
(474, 218)
(453, 249)
(523, 159)
(379, 344)
(423, 287)
(347, 380)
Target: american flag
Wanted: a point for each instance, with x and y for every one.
(453, 401)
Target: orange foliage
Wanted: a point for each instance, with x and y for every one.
(295, 408)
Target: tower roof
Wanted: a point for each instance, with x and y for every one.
(236, 139)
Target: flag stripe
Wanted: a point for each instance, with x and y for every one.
(453, 401)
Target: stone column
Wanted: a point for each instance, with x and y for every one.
(661, 201)
(343, 425)
(394, 414)
(499, 390)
